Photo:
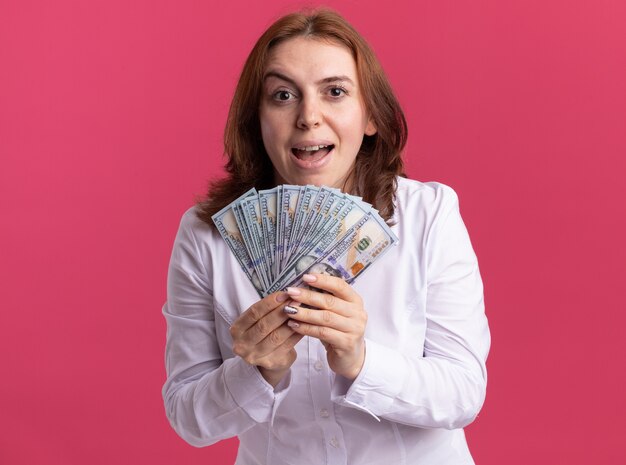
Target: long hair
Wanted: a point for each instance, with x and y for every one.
(379, 159)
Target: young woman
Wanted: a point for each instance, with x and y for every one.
(391, 368)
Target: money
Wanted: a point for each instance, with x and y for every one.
(277, 235)
(227, 225)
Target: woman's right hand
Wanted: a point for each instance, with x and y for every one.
(261, 337)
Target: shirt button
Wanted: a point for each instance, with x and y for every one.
(324, 413)
(318, 365)
(334, 442)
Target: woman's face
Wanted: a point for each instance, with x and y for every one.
(312, 113)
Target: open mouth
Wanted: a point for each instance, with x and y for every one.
(312, 153)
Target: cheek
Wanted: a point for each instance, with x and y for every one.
(268, 133)
(352, 125)
(264, 123)
(272, 126)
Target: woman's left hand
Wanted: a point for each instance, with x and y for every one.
(338, 319)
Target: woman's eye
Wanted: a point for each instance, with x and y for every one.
(337, 91)
(283, 95)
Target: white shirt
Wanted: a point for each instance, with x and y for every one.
(424, 375)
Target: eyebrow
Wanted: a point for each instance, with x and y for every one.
(278, 75)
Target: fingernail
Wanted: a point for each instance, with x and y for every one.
(293, 291)
(290, 310)
(293, 324)
(309, 278)
(281, 297)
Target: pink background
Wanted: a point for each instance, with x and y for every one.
(111, 115)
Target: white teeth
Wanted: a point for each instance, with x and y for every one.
(313, 148)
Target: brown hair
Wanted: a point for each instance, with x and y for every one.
(378, 161)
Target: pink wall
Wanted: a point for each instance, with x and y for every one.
(111, 114)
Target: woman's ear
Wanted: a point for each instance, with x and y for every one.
(370, 129)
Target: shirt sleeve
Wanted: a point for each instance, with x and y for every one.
(206, 398)
(443, 387)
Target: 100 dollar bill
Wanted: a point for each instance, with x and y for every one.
(279, 234)
(347, 258)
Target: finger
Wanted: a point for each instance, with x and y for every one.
(265, 326)
(327, 318)
(332, 284)
(284, 340)
(283, 356)
(292, 341)
(252, 352)
(274, 341)
(257, 311)
(325, 334)
(319, 300)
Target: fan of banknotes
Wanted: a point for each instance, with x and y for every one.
(279, 234)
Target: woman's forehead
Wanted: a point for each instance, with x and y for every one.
(309, 56)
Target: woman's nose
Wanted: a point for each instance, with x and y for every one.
(310, 114)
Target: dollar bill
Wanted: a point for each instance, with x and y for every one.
(305, 202)
(228, 228)
(251, 212)
(336, 223)
(279, 234)
(249, 239)
(352, 217)
(268, 202)
(367, 240)
(287, 211)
